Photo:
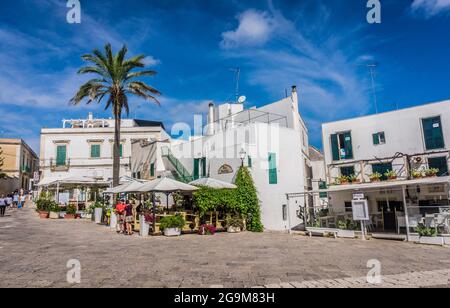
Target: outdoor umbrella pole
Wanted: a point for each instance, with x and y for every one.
(167, 201)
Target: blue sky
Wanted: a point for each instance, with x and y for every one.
(320, 46)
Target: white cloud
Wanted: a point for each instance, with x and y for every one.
(151, 61)
(322, 62)
(254, 29)
(430, 8)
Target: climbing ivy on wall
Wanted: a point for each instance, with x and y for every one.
(243, 200)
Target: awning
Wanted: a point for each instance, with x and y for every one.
(213, 183)
(72, 180)
(381, 185)
(166, 185)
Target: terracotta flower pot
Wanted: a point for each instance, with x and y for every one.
(392, 178)
(44, 215)
(70, 216)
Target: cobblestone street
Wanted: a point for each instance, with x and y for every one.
(34, 253)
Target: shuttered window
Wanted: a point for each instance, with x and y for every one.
(196, 169)
(273, 176)
(347, 171)
(433, 134)
(249, 162)
(382, 169)
(61, 155)
(341, 146)
(379, 138)
(152, 170)
(204, 167)
(95, 151)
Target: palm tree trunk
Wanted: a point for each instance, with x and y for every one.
(116, 151)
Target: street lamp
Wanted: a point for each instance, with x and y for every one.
(242, 155)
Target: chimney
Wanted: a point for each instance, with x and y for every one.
(211, 120)
(295, 109)
(90, 116)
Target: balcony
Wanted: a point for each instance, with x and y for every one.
(25, 169)
(59, 165)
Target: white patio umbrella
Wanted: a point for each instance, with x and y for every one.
(213, 183)
(166, 185)
(118, 189)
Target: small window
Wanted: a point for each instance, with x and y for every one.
(152, 170)
(379, 138)
(382, 169)
(249, 162)
(433, 133)
(61, 155)
(273, 172)
(285, 218)
(348, 207)
(439, 163)
(95, 150)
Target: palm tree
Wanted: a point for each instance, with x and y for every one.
(117, 78)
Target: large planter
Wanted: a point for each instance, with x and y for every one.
(144, 229)
(438, 240)
(70, 216)
(172, 232)
(113, 221)
(446, 240)
(44, 215)
(54, 215)
(232, 229)
(346, 234)
(98, 215)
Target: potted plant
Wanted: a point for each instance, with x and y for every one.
(429, 236)
(207, 230)
(172, 225)
(343, 180)
(375, 177)
(145, 220)
(347, 228)
(71, 212)
(55, 209)
(98, 213)
(391, 175)
(417, 174)
(354, 179)
(235, 224)
(43, 207)
(432, 172)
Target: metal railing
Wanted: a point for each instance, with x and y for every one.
(182, 173)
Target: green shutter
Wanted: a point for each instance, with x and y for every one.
(323, 185)
(95, 151)
(152, 170)
(204, 167)
(348, 146)
(382, 137)
(382, 169)
(249, 161)
(121, 150)
(273, 176)
(432, 130)
(61, 155)
(335, 147)
(196, 169)
(376, 139)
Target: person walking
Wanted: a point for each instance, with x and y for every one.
(120, 211)
(129, 219)
(21, 201)
(15, 200)
(2, 206)
(9, 201)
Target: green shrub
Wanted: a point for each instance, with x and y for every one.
(426, 231)
(236, 222)
(55, 207)
(71, 209)
(170, 222)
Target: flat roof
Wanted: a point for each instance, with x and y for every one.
(388, 112)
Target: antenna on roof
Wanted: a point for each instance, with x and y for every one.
(372, 67)
(237, 71)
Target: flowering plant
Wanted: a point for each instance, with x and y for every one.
(207, 230)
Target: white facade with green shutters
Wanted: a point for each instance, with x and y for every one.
(370, 144)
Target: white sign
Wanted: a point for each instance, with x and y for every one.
(360, 210)
(36, 177)
(358, 196)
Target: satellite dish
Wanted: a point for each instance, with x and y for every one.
(242, 99)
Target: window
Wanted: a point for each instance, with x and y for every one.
(61, 155)
(348, 207)
(285, 218)
(439, 163)
(152, 170)
(379, 138)
(95, 150)
(138, 175)
(382, 169)
(432, 131)
(273, 176)
(341, 145)
(196, 169)
(323, 185)
(249, 162)
(121, 150)
(347, 171)
(203, 167)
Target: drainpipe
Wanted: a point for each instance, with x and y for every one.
(211, 120)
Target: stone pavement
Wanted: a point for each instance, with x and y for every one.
(34, 253)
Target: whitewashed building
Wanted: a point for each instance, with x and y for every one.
(402, 147)
(271, 140)
(84, 147)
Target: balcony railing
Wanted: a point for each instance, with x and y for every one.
(60, 165)
(26, 169)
